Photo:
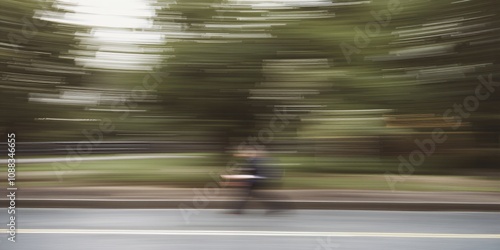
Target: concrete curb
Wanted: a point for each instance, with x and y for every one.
(224, 204)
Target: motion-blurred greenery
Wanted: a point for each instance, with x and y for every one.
(222, 68)
(193, 172)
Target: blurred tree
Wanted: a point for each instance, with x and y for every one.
(224, 66)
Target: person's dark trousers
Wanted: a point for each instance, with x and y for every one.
(244, 196)
(256, 191)
(273, 200)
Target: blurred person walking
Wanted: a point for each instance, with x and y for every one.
(254, 180)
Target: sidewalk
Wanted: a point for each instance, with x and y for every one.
(161, 197)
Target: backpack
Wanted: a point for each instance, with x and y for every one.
(269, 170)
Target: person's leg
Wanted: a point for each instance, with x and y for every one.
(273, 199)
(270, 200)
(244, 196)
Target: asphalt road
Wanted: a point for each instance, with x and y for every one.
(74, 229)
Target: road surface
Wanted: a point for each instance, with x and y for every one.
(75, 229)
